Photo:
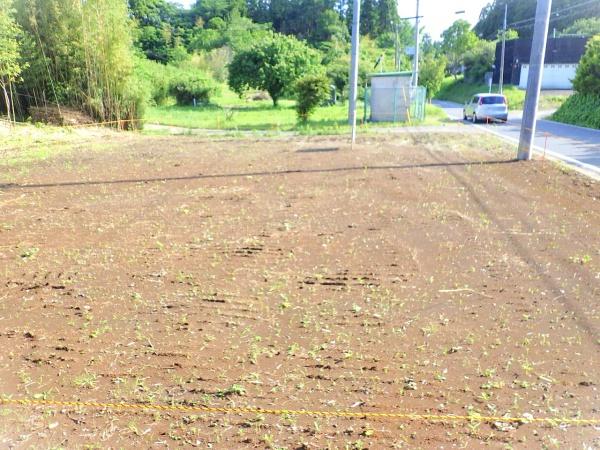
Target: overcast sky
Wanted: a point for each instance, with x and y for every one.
(437, 14)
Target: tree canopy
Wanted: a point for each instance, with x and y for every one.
(457, 40)
(587, 77)
(589, 26)
(273, 64)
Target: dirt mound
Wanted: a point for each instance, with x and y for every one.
(61, 116)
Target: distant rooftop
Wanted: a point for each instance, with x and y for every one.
(405, 73)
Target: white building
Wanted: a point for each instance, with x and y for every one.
(555, 76)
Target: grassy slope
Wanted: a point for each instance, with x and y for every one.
(582, 110)
(229, 112)
(459, 92)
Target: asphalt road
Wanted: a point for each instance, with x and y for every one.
(575, 145)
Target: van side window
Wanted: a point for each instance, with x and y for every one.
(475, 99)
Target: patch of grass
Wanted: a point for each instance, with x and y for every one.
(230, 113)
(460, 91)
(234, 389)
(32, 143)
(86, 380)
(29, 252)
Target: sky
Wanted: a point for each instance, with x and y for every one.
(437, 14)
(440, 14)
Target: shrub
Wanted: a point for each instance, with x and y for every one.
(311, 91)
(187, 86)
(587, 77)
(338, 75)
(155, 77)
(580, 109)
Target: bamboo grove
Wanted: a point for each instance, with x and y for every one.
(69, 52)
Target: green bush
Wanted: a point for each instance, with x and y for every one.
(187, 86)
(337, 72)
(431, 73)
(587, 77)
(156, 79)
(311, 91)
(580, 109)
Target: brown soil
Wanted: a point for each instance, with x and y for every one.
(399, 276)
(64, 115)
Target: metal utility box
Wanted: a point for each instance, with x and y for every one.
(393, 99)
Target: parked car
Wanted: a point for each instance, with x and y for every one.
(486, 107)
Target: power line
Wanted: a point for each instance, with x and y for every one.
(554, 13)
(578, 5)
(552, 19)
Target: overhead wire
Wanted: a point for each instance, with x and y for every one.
(554, 14)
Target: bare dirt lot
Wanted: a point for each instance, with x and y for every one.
(415, 273)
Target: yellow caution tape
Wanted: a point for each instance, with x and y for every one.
(299, 412)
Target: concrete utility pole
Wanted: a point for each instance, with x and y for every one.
(501, 81)
(397, 40)
(534, 78)
(415, 78)
(354, 67)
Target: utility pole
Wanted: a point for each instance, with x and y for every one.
(397, 39)
(397, 48)
(416, 58)
(501, 81)
(534, 78)
(354, 67)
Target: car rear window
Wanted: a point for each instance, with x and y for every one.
(493, 100)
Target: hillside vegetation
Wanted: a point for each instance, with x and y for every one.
(583, 108)
(460, 91)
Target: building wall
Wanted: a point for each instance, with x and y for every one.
(555, 76)
(560, 50)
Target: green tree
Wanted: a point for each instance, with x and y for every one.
(329, 27)
(273, 64)
(311, 91)
(237, 33)
(432, 69)
(10, 67)
(161, 26)
(208, 9)
(368, 18)
(587, 27)
(587, 76)
(457, 40)
(479, 60)
(378, 17)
